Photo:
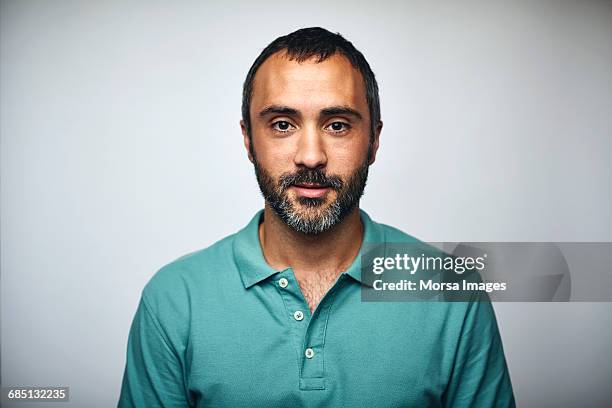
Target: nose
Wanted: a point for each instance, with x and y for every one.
(310, 150)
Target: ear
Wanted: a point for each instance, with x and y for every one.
(377, 131)
(246, 140)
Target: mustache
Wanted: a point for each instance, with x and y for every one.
(314, 176)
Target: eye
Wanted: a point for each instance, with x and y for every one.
(282, 126)
(338, 127)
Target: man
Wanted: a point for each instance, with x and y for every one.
(272, 315)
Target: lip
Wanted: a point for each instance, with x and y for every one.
(310, 190)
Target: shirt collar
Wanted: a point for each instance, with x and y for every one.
(253, 267)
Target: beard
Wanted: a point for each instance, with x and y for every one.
(312, 215)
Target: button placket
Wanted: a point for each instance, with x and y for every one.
(312, 375)
(308, 331)
(295, 309)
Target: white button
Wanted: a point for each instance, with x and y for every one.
(298, 315)
(309, 353)
(283, 282)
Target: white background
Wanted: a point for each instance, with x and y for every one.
(121, 151)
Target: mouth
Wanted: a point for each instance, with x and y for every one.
(310, 190)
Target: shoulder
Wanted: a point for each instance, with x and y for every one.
(193, 272)
(393, 234)
(379, 232)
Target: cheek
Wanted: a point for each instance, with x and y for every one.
(275, 157)
(345, 158)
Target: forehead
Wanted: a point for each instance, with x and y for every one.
(308, 84)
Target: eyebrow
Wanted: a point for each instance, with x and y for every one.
(340, 110)
(331, 111)
(281, 110)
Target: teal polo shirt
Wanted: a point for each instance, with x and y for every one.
(221, 328)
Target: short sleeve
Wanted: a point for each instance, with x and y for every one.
(153, 375)
(480, 375)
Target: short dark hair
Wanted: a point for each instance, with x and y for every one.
(304, 44)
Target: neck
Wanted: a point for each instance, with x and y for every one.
(332, 251)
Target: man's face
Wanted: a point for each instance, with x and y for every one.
(311, 144)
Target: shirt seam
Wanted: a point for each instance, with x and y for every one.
(158, 327)
(329, 311)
